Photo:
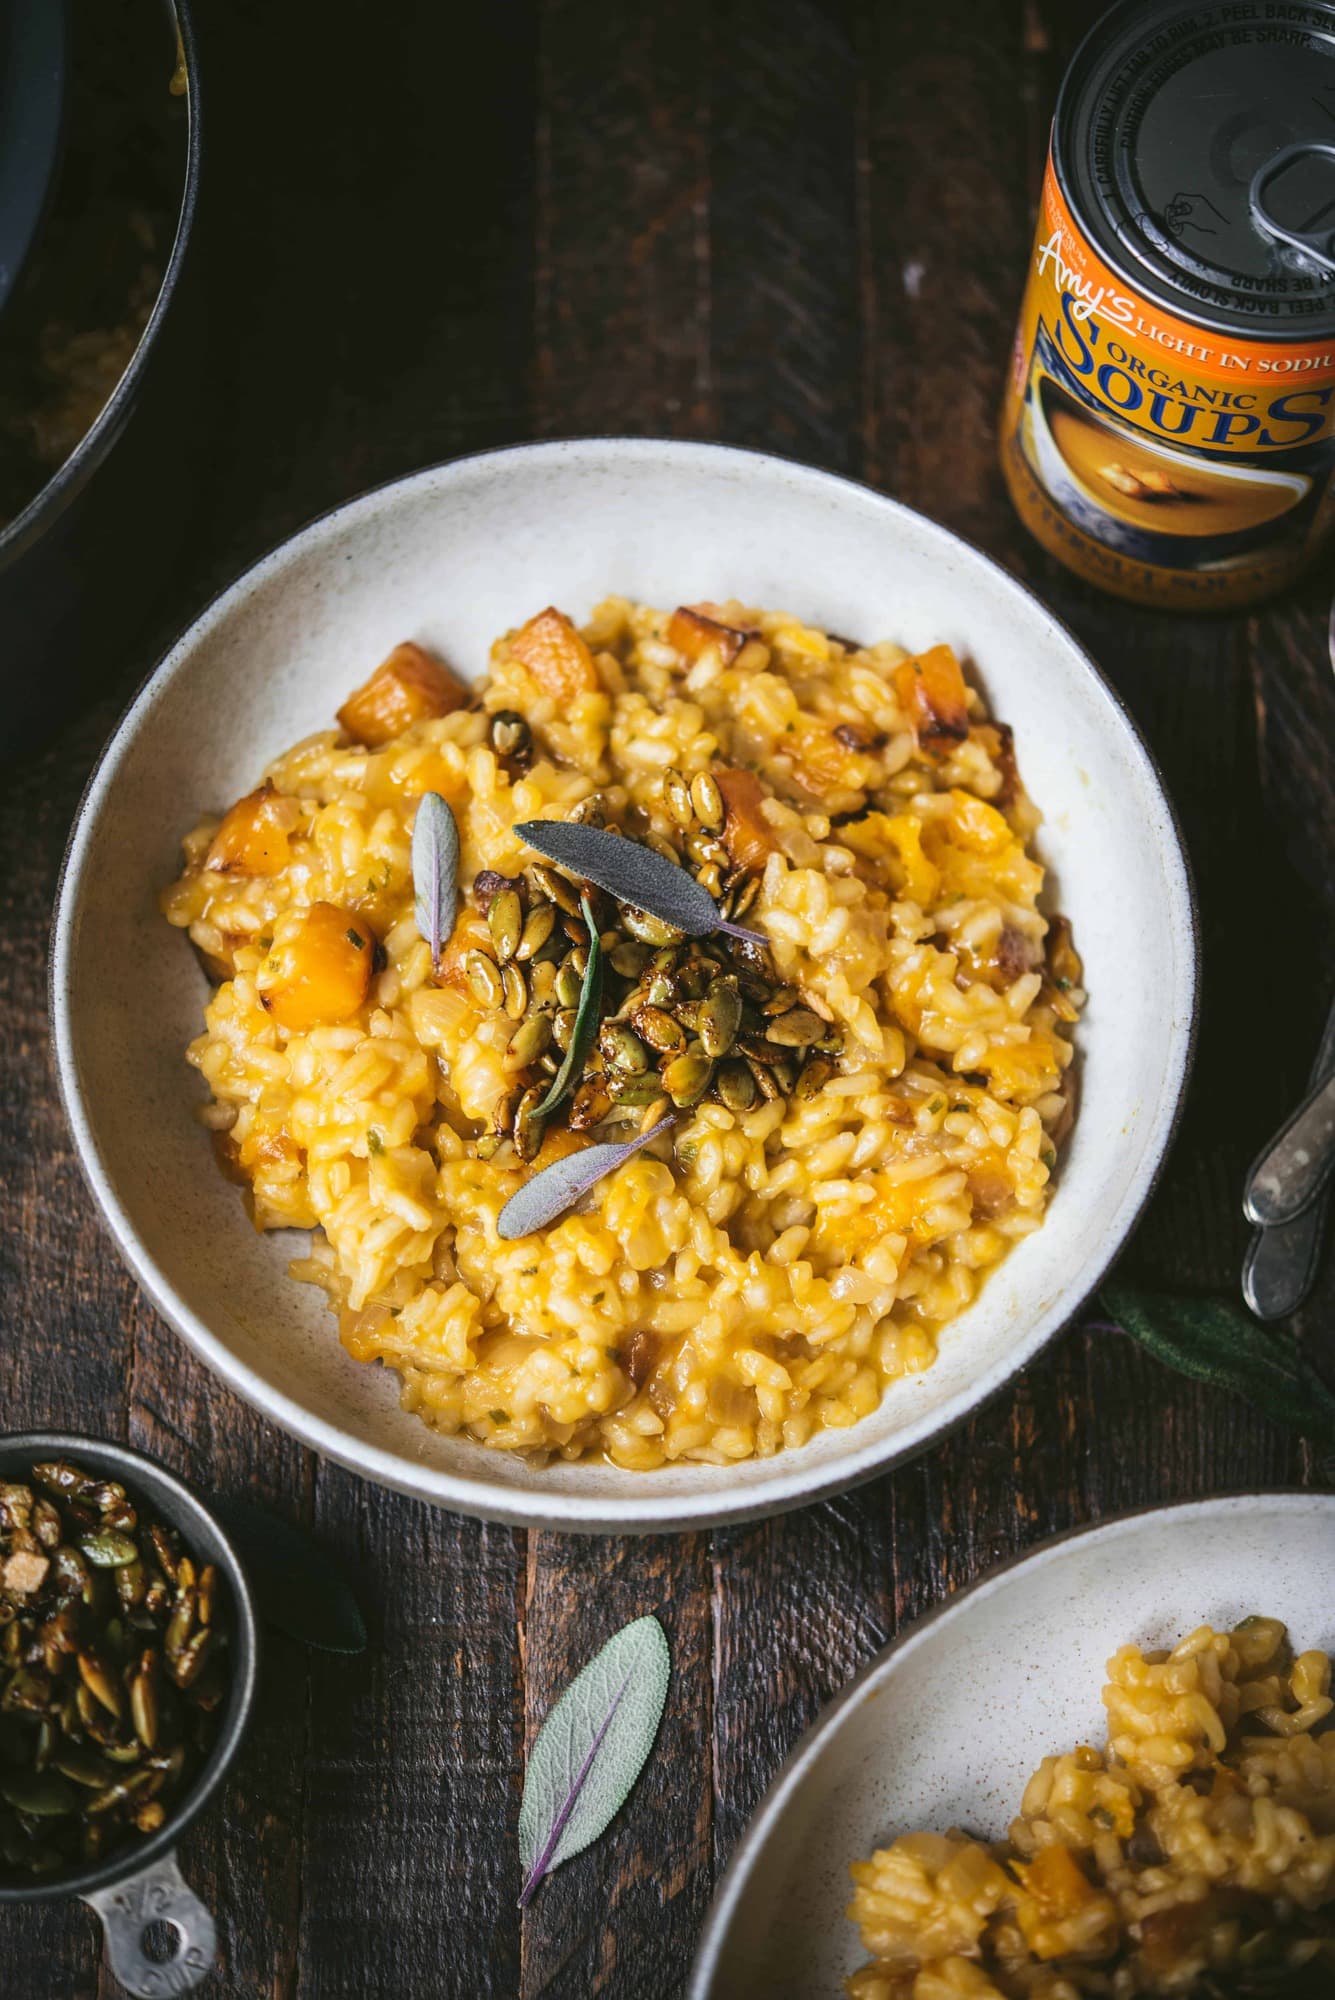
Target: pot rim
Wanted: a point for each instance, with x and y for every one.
(67, 481)
(186, 1509)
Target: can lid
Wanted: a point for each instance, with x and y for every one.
(1194, 144)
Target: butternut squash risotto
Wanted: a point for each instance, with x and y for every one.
(861, 1103)
(1194, 1855)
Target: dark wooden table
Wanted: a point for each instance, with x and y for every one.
(801, 226)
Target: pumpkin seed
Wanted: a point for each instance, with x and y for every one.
(484, 977)
(629, 959)
(487, 1147)
(648, 929)
(569, 983)
(530, 1040)
(764, 1079)
(589, 1105)
(45, 1797)
(735, 1086)
(662, 845)
(720, 1017)
(505, 921)
(743, 896)
(555, 888)
(538, 927)
(109, 1550)
(677, 797)
(796, 1029)
(622, 1048)
(660, 1031)
(193, 1658)
(82, 1766)
(780, 1000)
(687, 1077)
(528, 1126)
(563, 1027)
(144, 1712)
(815, 1074)
(100, 1683)
(660, 991)
(656, 1109)
(590, 812)
(510, 734)
(710, 880)
(633, 1090)
(707, 800)
(515, 991)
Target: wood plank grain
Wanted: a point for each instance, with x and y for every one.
(621, 1918)
(410, 1873)
(622, 279)
(785, 337)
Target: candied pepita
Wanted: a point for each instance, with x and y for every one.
(657, 1027)
(514, 991)
(505, 921)
(538, 927)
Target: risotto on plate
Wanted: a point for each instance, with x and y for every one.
(860, 1097)
(1194, 1855)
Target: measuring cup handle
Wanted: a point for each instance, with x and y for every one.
(157, 1894)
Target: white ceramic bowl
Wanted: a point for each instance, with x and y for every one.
(452, 557)
(944, 1727)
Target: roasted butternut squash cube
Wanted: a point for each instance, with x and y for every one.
(931, 691)
(556, 655)
(319, 968)
(746, 834)
(253, 837)
(693, 627)
(408, 686)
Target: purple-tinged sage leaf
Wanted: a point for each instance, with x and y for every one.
(557, 1187)
(435, 871)
(592, 1748)
(586, 1020)
(633, 874)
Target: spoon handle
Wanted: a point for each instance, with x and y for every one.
(1282, 1261)
(1291, 1172)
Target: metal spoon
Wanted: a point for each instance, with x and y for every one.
(1296, 1164)
(1283, 1258)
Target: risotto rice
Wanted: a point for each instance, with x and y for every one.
(874, 1129)
(1194, 1855)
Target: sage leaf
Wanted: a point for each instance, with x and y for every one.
(549, 1193)
(586, 1019)
(435, 871)
(297, 1588)
(592, 1748)
(633, 874)
(1212, 1340)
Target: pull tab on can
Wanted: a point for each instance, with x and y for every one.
(1292, 198)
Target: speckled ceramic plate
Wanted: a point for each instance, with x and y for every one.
(453, 557)
(945, 1726)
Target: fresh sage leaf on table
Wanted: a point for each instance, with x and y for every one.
(633, 874)
(552, 1191)
(297, 1588)
(435, 871)
(592, 1748)
(1212, 1340)
(586, 1020)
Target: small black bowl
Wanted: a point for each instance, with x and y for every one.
(141, 1885)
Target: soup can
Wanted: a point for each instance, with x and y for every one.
(1168, 428)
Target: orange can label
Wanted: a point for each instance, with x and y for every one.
(1165, 462)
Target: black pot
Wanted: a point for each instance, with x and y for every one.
(142, 1885)
(80, 565)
